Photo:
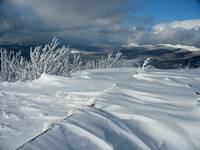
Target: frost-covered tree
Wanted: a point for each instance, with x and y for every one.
(52, 60)
(49, 59)
(109, 61)
(13, 66)
(145, 65)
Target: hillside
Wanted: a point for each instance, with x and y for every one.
(103, 109)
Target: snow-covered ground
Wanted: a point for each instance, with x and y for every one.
(157, 109)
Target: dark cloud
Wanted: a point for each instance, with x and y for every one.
(89, 22)
(35, 19)
(17, 24)
(67, 13)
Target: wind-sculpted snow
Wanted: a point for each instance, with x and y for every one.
(29, 108)
(138, 110)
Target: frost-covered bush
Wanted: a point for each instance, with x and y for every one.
(187, 67)
(52, 60)
(109, 61)
(13, 66)
(145, 65)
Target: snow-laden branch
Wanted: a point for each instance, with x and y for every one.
(52, 60)
(48, 59)
(109, 61)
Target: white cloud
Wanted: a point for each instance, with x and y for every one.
(186, 25)
(90, 22)
(186, 32)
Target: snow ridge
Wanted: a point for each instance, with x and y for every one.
(150, 110)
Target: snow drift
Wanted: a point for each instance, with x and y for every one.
(112, 109)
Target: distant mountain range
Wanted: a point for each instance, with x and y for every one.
(164, 55)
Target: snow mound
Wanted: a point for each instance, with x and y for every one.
(156, 110)
(29, 108)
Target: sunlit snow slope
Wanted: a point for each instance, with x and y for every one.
(29, 108)
(156, 109)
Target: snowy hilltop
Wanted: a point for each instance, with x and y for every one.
(126, 108)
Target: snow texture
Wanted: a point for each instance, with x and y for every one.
(106, 108)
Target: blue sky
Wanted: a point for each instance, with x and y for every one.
(170, 10)
(101, 22)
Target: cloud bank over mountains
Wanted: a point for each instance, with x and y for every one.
(90, 22)
(178, 32)
(186, 32)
